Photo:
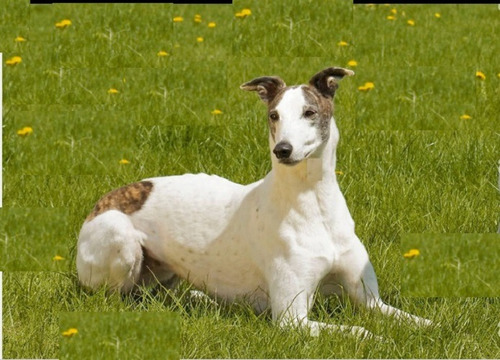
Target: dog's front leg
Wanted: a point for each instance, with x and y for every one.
(290, 306)
(360, 283)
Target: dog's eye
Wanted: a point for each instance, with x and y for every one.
(274, 116)
(309, 113)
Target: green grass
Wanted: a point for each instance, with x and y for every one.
(451, 265)
(410, 164)
(118, 335)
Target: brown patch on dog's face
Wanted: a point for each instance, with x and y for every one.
(127, 199)
(323, 106)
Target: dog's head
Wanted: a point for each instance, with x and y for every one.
(299, 116)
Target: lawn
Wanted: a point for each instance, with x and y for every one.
(451, 265)
(125, 92)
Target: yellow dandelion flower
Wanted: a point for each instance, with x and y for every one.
(243, 13)
(212, 24)
(390, 17)
(197, 18)
(57, 258)
(25, 131)
(216, 112)
(498, 75)
(178, 19)
(124, 162)
(352, 63)
(411, 254)
(63, 24)
(394, 11)
(343, 43)
(199, 39)
(14, 60)
(437, 15)
(465, 117)
(162, 53)
(367, 86)
(411, 22)
(70, 332)
(113, 91)
(480, 75)
(19, 39)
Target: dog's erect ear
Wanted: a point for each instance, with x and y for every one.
(327, 81)
(267, 87)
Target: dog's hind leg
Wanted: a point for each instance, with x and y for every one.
(110, 252)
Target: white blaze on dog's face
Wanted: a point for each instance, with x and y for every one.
(299, 123)
(299, 116)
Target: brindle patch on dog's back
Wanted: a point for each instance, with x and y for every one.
(127, 199)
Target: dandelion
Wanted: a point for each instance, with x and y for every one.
(178, 19)
(212, 24)
(14, 60)
(197, 18)
(19, 39)
(411, 22)
(63, 24)
(57, 258)
(352, 63)
(437, 15)
(199, 39)
(498, 75)
(343, 43)
(124, 162)
(411, 254)
(390, 17)
(27, 130)
(480, 75)
(216, 112)
(394, 11)
(465, 117)
(367, 86)
(243, 13)
(162, 53)
(70, 332)
(113, 91)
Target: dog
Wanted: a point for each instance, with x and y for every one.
(274, 242)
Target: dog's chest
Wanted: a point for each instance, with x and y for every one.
(301, 232)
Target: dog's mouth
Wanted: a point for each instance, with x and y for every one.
(292, 162)
(289, 162)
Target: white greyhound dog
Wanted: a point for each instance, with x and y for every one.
(273, 242)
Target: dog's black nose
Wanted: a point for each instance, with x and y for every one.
(283, 150)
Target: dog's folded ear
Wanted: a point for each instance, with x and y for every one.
(327, 81)
(267, 87)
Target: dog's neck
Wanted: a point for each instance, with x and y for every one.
(317, 170)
